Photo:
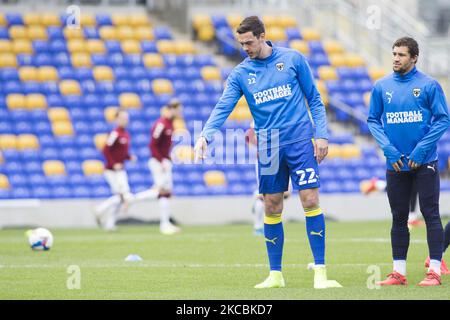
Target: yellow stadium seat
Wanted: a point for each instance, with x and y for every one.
(376, 73)
(18, 32)
(8, 141)
(333, 46)
(110, 113)
(206, 34)
(214, 178)
(354, 60)
(162, 86)
(179, 124)
(8, 60)
(325, 99)
(5, 46)
(58, 114)
(337, 60)
(76, 45)
(27, 141)
(287, 21)
(185, 47)
(320, 84)
(62, 128)
(73, 33)
(367, 96)
(334, 151)
(108, 33)
(143, 33)
(129, 100)
(3, 21)
(87, 20)
(120, 19)
(81, 60)
(31, 18)
(350, 151)
(35, 101)
(310, 34)
(93, 167)
(28, 74)
(4, 182)
(2, 160)
(153, 60)
(234, 20)
(51, 20)
(300, 45)
(276, 34)
(95, 46)
(131, 47)
(166, 46)
(47, 73)
(242, 102)
(241, 114)
(211, 73)
(103, 73)
(139, 20)
(201, 20)
(270, 21)
(36, 32)
(184, 153)
(22, 46)
(100, 140)
(15, 101)
(125, 33)
(54, 168)
(327, 73)
(69, 87)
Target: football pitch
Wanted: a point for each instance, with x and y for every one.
(207, 262)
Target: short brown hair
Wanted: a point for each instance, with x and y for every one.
(413, 46)
(253, 24)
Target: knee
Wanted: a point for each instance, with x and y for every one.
(310, 200)
(273, 208)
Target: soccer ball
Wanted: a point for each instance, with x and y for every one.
(40, 239)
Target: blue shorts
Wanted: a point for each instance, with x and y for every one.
(295, 160)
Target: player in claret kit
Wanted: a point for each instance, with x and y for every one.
(276, 83)
(160, 163)
(116, 152)
(408, 115)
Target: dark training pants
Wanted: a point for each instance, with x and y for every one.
(399, 187)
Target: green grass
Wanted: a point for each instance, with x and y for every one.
(210, 262)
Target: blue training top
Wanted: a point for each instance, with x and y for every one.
(408, 115)
(274, 88)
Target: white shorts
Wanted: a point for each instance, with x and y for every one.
(118, 181)
(162, 174)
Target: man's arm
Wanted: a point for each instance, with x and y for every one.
(155, 141)
(108, 145)
(224, 107)
(439, 124)
(376, 127)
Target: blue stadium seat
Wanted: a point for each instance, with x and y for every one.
(50, 87)
(43, 127)
(41, 192)
(91, 33)
(50, 154)
(99, 60)
(23, 127)
(6, 127)
(21, 193)
(113, 46)
(13, 18)
(94, 104)
(66, 73)
(100, 191)
(62, 192)
(161, 32)
(37, 179)
(13, 167)
(11, 155)
(103, 19)
(81, 192)
(4, 33)
(138, 73)
(31, 87)
(90, 153)
(148, 46)
(133, 60)
(12, 87)
(82, 74)
(62, 59)
(76, 178)
(55, 33)
(100, 127)
(25, 60)
(9, 74)
(47, 141)
(293, 34)
(57, 180)
(110, 100)
(40, 46)
(68, 154)
(55, 100)
(44, 59)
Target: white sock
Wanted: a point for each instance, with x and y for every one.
(150, 194)
(108, 204)
(400, 267)
(413, 216)
(110, 222)
(435, 265)
(380, 185)
(258, 219)
(164, 211)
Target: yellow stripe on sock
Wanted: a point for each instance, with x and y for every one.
(313, 212)
(272, 220)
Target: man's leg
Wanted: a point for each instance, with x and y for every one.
(274, 236)
(258, 215)
(446, 237)
(428, 187)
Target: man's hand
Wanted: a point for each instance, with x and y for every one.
(398, 165)
(200, 149)
(118, 166)
(413, 165)
(320, 149)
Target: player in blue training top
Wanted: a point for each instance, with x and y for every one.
(408, 115)
(277, 82)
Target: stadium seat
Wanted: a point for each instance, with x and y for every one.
(21, 46)
(62, 128)
(28, 74)
(92, 167)
(125, 32)
(37, 32)
(81, 60)
(129, 100)
(201, 20)
(31, 18)
(337, 60)
(234, 20)
(76, 46)
(108, 33)
(301, 46)
(185, 47)
(349, 151)
(95, 46)
(69, 87)
(4, 182)
(100, 140)
(47, 73)
(139, 20)
(103, 73)
(153, 60)
(73, 33)
(5, 46)
(376, 73)
(210, 73)
(287, 21)
(8, 60)
(166, 46)
(50, 20)
(143, 33)
(35, 101)
(110, 113)
(15, 101)
(162, 86)
(327, 73)
(354, 60)
(18, 32)
(184, 153)
(276, 34)
(333, 47)
(8, 141)
(310, 34)
(53, 168)
(27, 141)
(87, 20)
(58, 114)
(131, 47)
(214, 178)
